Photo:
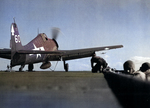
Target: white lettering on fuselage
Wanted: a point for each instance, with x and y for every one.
(39, 49)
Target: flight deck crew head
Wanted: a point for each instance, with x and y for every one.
(93, 55)
(145, 66)
(129, 67)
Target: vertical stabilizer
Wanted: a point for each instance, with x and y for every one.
(15, 45)
(15, 42)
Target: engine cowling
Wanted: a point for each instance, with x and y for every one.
(45, 65)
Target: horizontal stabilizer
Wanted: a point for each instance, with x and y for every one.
(5, 51)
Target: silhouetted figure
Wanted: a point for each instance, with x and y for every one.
(144, 72)
(100, 64)
(7, 70)
(129, 67)
(146, 69)
(7, 67)
(145, 66)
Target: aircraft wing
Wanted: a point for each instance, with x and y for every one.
(82, 53)
(69, 54)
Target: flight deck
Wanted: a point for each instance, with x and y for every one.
(55, 90)
(72, 90)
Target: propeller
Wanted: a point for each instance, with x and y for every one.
(55, 32)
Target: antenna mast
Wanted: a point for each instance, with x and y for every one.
(14, 19)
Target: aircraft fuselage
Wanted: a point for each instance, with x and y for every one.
(41, 43)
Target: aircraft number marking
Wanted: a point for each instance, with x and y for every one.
(17, 39)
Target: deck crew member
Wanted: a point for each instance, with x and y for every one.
(100, 63)
(144, 72)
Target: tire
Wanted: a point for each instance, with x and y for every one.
(30, 67)
(66, 67)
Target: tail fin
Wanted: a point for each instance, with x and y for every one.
(15, 42)
(15, 45)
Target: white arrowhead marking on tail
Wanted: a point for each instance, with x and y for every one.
(12, 30)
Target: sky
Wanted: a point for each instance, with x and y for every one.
(83, 24)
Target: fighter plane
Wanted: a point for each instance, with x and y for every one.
(43, 49)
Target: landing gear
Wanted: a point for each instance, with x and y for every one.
(21, 68)
(30, 67)
(66, 66)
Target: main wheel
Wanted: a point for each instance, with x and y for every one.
(66, 67)
(30, 67)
